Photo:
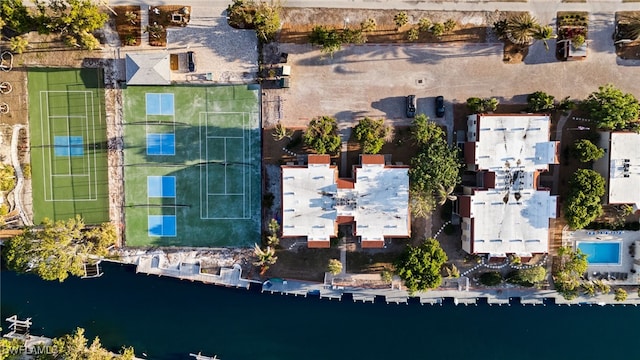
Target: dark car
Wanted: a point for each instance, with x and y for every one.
(191, 61)
(411, 106)
(439, 106)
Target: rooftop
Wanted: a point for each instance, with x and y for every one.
(377, 200)
(524, 141)
(624, 168)
(517, 226)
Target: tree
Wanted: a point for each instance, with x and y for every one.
(628, 28)
(424, 24)
(520, 29)
(586, 151)
(583, 203)
(131, 17)
(437, 29)
(386, 275)
(401, 19)
(445, 194)
(7, 177)
(280, 132)
(478, 105)
(529, 276)
(334, 267)
(368, 25)
(611, 109)
(272, 239)
(544, 33)
(73, 17)
(491, 278)
(88, 41)
(452, 271)
(620, 294)
(436, 164)
(10, 349)
(18, 44)
(587, 181)
(589, 289)
(577, 41)
(329, 39)
(74, 346)
(57, 250)
(264, 258)
(370, 134)
(540, 101)
(16, 16)
(413, 34)
(424, 131)
(572, 265)
(420, 266)
(420, 203)
(322, 135)
(266, 20)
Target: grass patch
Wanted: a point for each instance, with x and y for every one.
(304, 264)
(365, 262)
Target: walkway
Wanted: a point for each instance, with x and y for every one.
(15, 161)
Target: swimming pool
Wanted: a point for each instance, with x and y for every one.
(601, 253)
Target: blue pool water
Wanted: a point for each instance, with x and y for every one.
(601, 252)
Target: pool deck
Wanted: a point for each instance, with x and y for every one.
(605, 271)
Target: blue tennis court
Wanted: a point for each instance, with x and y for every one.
(161, 144)
(161, 186)
(162, 225)
(160, 104)
(68, 146)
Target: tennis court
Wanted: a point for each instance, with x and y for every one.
(68, 144)
(192, 166)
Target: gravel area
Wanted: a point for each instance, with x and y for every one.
(228, 54)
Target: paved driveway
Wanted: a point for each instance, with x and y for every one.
(372, 80)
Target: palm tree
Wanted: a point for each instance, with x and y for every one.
(421, 204)
(264, 258)
(544, 33)
(445, 194)
(521, 28)
(131, 17)
(629, 28)
(280, 132)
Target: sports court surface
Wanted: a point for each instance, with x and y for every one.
(192, 165)
(68, 144)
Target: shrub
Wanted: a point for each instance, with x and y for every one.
(413, 34)
(491, 278)
(449, 25)
(424, 24)
(437, 29)
(401, 19)
(577, 41)
(26, 171)
(368, 25)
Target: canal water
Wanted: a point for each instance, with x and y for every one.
(169, 318)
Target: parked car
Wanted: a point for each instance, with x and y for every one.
(411, 106)
(191, 61)
(439, 106)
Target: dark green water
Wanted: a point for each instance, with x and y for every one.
(168, 318)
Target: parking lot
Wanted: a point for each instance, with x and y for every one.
(373, 80)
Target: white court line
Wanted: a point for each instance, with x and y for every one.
(244, 171)
(204, 115)
(200, 157)
(225, 168)
(48, 134)
(92, 196)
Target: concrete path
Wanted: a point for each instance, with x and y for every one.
(15, 162)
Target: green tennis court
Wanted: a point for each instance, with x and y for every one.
(68, 144)
(192, 165)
